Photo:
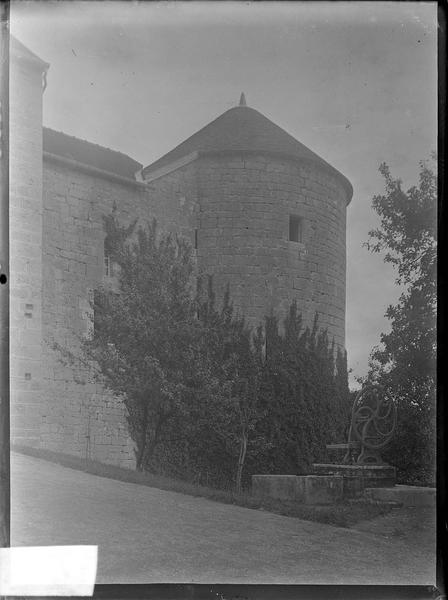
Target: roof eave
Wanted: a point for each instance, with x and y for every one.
(75, 164)
(151, 175)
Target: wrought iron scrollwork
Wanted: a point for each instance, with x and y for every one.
(373, 422)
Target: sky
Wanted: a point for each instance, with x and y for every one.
(356, 82)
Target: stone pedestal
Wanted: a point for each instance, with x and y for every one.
(328, 484)
(304, 489)
(358, 477)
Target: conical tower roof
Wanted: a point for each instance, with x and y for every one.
(244, 129)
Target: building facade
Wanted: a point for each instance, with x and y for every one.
(265, 214)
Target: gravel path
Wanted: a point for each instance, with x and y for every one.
(146, 535)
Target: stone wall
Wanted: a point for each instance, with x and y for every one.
(79, 417)
(245, 203)
(173, 200)
(240, 206)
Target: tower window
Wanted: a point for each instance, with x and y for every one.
(195, 239)
(295, 228)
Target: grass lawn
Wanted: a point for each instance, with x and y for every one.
(342, 514)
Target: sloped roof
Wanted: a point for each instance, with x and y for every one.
(18, 50)
(243, 129)
(93, 155)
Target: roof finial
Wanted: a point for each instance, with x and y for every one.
(243, 99)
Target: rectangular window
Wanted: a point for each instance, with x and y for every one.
(195, 239)
(295, 228)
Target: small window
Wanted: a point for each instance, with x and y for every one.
(195, 239)
(295, 229)
(107, 269)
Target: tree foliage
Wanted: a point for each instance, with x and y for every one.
(304, 394)
(144, 335)
(218, 435)
(405, 360)
(208, 399)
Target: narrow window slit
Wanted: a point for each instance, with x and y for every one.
(295, 228)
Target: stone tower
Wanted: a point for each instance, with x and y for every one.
(265, 213)
(27, 81)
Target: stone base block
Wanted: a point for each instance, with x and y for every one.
(406, 495)
(304, 489)
(359, 477)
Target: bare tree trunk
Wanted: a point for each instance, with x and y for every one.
(142, 449)
(147, 449)
(141, 452)
(151, 446)
(241, 459)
